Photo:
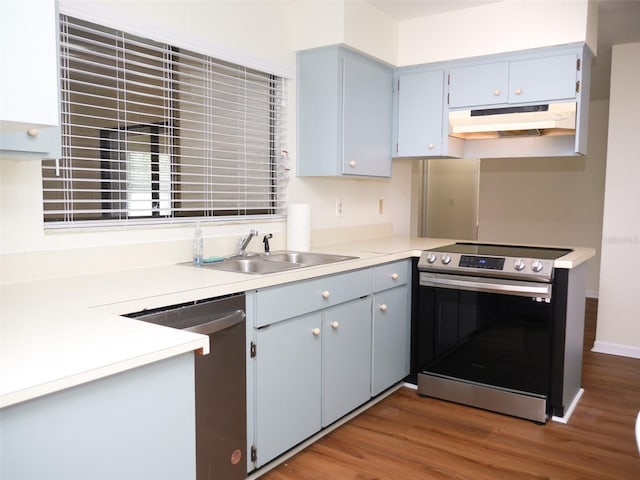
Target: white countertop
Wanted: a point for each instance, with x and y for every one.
(55, 334)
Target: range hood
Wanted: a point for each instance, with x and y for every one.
(531, 120)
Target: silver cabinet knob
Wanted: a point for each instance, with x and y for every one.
(497, 92)
(326, 294)
(316, 332)
(383, 307)
(352, 163)
(518, 91)
(394, 276)
(335, 325)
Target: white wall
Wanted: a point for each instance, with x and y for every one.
(503, 26)
(548, 201)
(618, 329)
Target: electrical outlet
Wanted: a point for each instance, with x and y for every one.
(380, 206)
(339, 207)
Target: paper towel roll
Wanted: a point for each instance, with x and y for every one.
(299, 227)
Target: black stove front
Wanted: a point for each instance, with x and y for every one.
(486, 326)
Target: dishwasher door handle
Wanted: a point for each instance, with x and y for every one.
(219, 323)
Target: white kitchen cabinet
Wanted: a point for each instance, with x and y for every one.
(421, 114)
(345, 112)
(547, 78)
(391, 325)
(29, 80)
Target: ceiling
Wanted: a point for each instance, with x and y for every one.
(618, 22)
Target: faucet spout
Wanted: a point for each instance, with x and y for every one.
(244, 242)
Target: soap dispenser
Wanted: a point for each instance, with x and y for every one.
(198, 246)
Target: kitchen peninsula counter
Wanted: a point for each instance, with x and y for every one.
(56, 334)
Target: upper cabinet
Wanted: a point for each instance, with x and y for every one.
(29, 80)
(420, 114)
(520, 81)
(345, 114)
(483, 91)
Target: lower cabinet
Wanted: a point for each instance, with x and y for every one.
(288, 384)
(310, 371)
(320, 348)
(346, 358)
(391, 338)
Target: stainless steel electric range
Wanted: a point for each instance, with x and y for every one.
(490, 331)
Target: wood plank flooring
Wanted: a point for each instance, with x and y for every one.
(407, 437)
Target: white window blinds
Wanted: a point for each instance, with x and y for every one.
(154, 133)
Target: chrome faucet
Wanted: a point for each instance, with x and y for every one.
(244, 242)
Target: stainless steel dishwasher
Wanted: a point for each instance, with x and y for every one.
(220, 379)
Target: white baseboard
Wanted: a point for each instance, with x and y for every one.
(572, 407)
(592, 294)
(616, 349)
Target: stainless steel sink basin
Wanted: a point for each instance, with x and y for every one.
(252, 265)
(279, 261)
(306, 258)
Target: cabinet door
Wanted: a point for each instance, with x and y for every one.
(475, 85)
(367, 100)
(543, 79)
(420, 106)
(390, 338)
(288, 385)
(346, 331)
(29, 80)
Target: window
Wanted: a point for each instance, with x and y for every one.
(155, 133)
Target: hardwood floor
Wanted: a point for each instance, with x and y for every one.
(407, 437)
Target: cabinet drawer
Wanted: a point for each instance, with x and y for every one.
(390, 275)
(287, 301)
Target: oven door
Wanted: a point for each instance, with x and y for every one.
(490, 333)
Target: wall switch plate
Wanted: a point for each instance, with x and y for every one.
(339, 207)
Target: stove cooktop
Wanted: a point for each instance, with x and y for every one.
(513, 251)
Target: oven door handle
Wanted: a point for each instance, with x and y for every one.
(478, 284)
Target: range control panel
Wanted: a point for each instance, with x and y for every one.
(486, 265)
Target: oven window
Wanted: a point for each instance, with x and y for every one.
(487, 338)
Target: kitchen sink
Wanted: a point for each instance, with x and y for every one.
(274, 262)
(254, 264)
(306, 259)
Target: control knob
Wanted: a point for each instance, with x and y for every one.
(537, 266)
(431, 257)
(446, 259)
(519, 265)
